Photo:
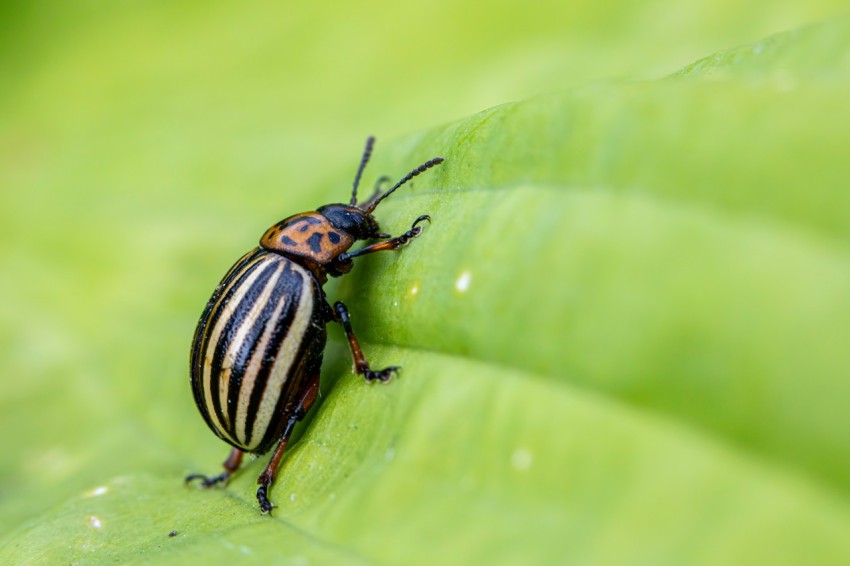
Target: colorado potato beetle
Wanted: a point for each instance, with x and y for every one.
(257, 350)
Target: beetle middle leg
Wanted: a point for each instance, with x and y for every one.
(234, 460)
(361, 366)
(267, 477)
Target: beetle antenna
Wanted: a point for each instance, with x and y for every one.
(422, 168)
(367, 153)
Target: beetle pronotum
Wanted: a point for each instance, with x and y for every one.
(258, 347)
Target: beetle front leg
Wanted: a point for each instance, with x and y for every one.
(361, 366)
(391, 244)
(234, 460)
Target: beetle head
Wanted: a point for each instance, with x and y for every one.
(361, 225)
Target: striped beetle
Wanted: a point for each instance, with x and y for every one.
(258, 346)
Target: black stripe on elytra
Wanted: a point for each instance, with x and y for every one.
(231, 326)
(287, 240)
(241, 263)
(248, 347)
(307, 363)
(292, 283)
(203, 323)
(196, 363)
(315, 241)
(229, 285)
(224, 293)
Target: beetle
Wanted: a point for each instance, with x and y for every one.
(257, 350)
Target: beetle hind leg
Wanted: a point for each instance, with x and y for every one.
(234, 460)
(310, 392)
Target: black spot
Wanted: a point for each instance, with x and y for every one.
(305, 227)
(306, 220)
(172, 534)
(288, 241)
(333, 237)
(315, 241)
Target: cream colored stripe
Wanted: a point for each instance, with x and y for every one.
(286, 356)
(254, 365)
(215, 335)
(238, 341)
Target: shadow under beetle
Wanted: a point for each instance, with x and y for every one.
(258, 346)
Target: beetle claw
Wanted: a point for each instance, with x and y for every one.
(415, 229)
(421, 219)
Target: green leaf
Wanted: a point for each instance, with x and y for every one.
(623, 339)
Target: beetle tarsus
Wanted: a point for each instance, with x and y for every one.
(266, 506)
(383, 375)
(234, 460)
(414, 232)
(207, 481)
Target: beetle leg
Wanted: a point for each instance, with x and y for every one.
(230, 466)
(361, 366)
(267, 477)
(391, 244)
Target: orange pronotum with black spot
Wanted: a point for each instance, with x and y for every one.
(309, 235)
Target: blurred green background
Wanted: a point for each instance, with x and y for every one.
(648, 363)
